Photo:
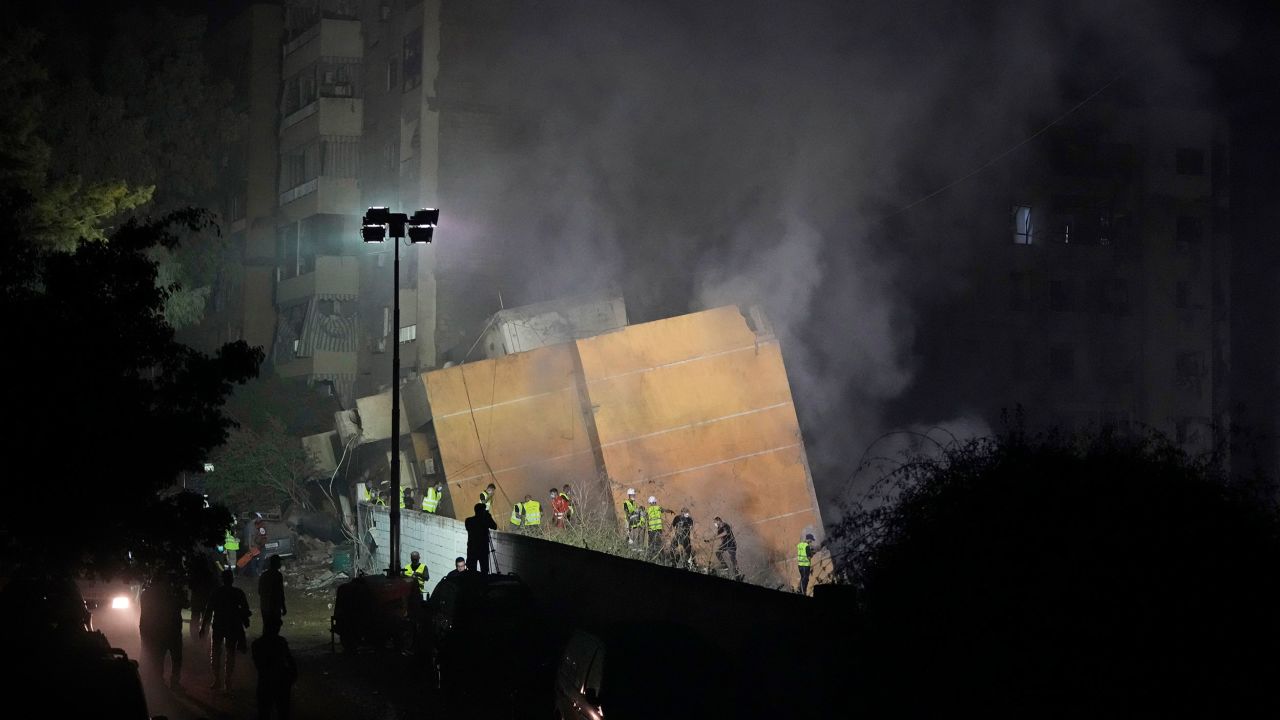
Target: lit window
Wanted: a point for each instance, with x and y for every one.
(1021, 225)
(408, 334)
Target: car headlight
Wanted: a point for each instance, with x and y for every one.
(120, 602)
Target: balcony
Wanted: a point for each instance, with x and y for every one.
(324, 195)
(333, 276)
(329, 38)
(339, 116)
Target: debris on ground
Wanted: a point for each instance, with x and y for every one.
(311, 567)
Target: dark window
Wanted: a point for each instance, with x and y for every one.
(1190, 161)
(393, 73)
(1021, 224)
(1062, 296)
(412, 60)
(1062, 362)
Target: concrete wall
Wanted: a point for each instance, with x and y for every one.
(437, 538)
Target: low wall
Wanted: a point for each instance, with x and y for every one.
(437, 539)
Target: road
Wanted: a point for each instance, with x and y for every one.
(369, 685)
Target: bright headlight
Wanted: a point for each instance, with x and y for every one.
(120, 602)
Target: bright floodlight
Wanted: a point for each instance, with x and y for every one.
(377, 216)
(373, 233)
(120, 602)
(422, 225)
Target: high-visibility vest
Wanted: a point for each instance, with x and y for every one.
(632, 512)
(569, 505)
(655, 517)
(431, 500)
(487, 499)
(368, 495)
(231, 542)
(402, 501)
(517, 514)
(532, 512)
(419, 573)
(802, 553)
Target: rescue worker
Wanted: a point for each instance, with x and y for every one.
(568, 500)
(406, 499)
(486, 497)
(532, 512)
(517, 514)
(654, 516)
(559, 507)
(682, 537)
(478, 545)
(804, 559)
(231, 544)
(727, 552)
(634, 518)
(418, 571)
(368, 494)
(431, 500)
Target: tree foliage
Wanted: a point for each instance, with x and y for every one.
(110, 408)
(1064, 577)
(259, 468)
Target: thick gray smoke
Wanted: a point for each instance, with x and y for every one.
(701, 153)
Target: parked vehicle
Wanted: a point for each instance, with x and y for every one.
(64, 668)
(375, 609)
(637, 670)
(114, 610)
(261, 536)
(490, 645)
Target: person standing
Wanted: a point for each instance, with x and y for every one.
(569, 503)
(231, 544)
(654, 517)
(727, 552)
(517, 514)
(486, 497)
(406, 499)
(478, 527)
(202, 578)
(559, 508)
(160, 626)
(277, 672)
(634, 518)
(228, 611)
(682, 537)
(804, 559)
(532, 512)
(418, 571)
(271, 596)
(431, 500)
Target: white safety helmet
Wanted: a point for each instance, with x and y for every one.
(653, 500)
(631, 491)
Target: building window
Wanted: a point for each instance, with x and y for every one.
(1021, 224)
(408, 334)
(1182, 295)
(1190, 161)
(1062, 296)
(412, 60)
(393, 73)
(1062, 362)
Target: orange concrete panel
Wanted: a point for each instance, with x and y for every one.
(515, 421)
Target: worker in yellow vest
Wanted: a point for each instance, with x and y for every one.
(634, 518)
(654, 515)
(532, 512)
(431, 500)
(486, 497)
(517, 514)
(418, 571)
(406, 499)
(804, 559)
(231, 544)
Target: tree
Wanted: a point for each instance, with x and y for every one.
(1058, 577)
(110, 408)
(260, 467)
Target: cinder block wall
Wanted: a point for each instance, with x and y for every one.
(438, 539)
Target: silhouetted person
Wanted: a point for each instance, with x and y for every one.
(459, 568)
(478, 527)
(202, 579)
(682, 537)
(271, 596)
(228, 612)
(160, 626)
(727, 550)
(277, 672)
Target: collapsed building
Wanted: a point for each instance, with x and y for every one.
(695, 410)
